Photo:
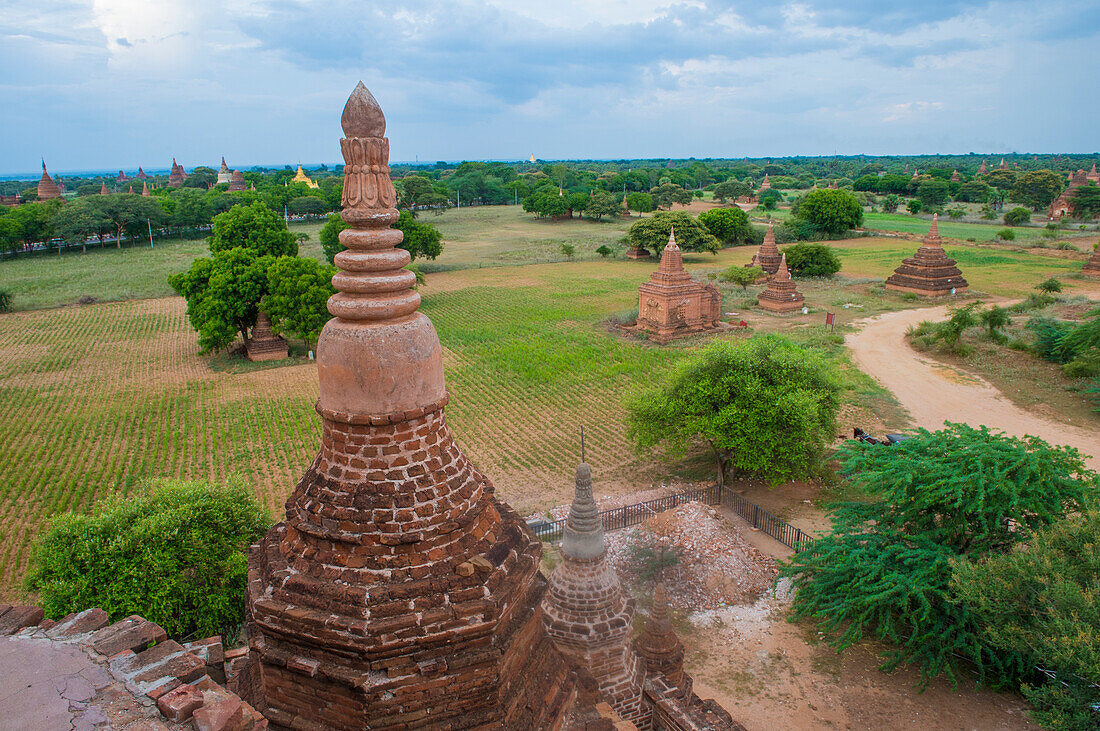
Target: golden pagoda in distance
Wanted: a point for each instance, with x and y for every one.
(301, 177)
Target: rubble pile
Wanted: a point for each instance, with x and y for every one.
(716, 567)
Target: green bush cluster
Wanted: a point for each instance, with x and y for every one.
(176, 555)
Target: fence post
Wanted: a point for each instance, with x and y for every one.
(755, 516)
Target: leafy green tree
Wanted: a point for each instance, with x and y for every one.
(568, 250)
(1037, 188)
(422, 240)
(890, 203)
(413, 188)
(1017, 216)
(729, 225)
(604, 250)
(576, 203)
(297, 297)
(763, 406)
(666, 194)
(914, 206)
(640, 202)
(731, 190)
(974, 191)
(831, 211)
(652, 233)
(190, 209)
(177, 555)
(201, 177)
(79, 220)
(812, 260)
(254, 227)
(741, 275)
(1005, 234)
(1044, 604)
(308, 205)
(932, 192)
(546, 204)
(223, 294)
(885, 570)
(770, 199)
(602, 204)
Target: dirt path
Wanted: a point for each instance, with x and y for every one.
(934, 392)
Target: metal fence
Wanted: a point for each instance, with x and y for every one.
(628, 515)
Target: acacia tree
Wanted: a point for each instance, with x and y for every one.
(763, 406)
(958, 494)
(731, 190)
(665, 194)
(1037, 188)
(421, 240)
(652, 233)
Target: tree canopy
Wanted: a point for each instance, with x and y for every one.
(961, 493)
(254, 227)
(763, 406)
(297, 297)
(1037, 188)
(422, 240)
(812, 260)
(652, 233)
(831, 211)
(729, 225)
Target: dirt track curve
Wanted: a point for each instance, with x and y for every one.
(934, 393)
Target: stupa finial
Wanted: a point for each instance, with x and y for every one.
(784, 274)
(672, 239)
(362, 115)
(583, 534)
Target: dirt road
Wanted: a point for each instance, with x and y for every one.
(934, 392)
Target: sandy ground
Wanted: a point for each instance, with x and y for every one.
(934, 392)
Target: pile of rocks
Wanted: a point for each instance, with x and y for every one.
(193, 682)
(716, 567)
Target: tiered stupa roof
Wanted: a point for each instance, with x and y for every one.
(929, 273)
(141, 174)
(767, 257)
(399, 592)
(1003, 165)
(301, 177)
(145, 189)
(262, 343)
(781, 295)
(224, 173)
(982, 169)
(122, 177)
(585, 611)
(767, 184)
(103, 189)
(954, 176)
(47, 188)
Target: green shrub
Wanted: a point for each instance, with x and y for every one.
(1018, 216)
(812, 260)
(604, 251)
(175, 555)
(1006, 234)
(568, 250)
(7, 300)
(1050, 286)
(913, 206)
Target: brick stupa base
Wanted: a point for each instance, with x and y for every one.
(673, 305)
(929, 272)
(265, 344)
(781, 295)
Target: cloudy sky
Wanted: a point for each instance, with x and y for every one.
(118, 83)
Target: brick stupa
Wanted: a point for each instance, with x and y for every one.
(767, 257)
(660, 648)
(47, 188)
(263, 343)
(177, 176)
(145, 189)
(585, 611)
(781, 295)
(236, 181)
(929, 272)
(672, 304)
(399, 592)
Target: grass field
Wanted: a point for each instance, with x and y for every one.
(96, 399)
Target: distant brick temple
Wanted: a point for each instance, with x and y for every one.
(767, 257)
(224, 173)
(929, 273)
(781, 295)
(177, 175)
(47, 188)
(1060, 206)
(672, 304)
(399, 592)
(237, 182)
(263, 343)
(591, 620)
